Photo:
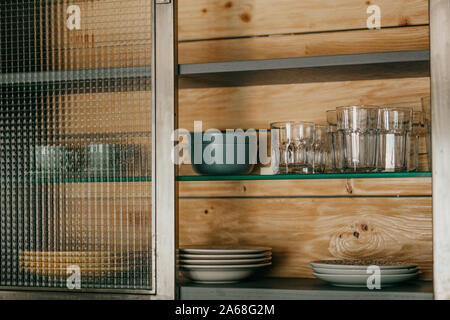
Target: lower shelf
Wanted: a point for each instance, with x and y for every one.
(302, 289)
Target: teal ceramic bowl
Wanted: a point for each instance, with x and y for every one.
(52, 159)
(220, 154)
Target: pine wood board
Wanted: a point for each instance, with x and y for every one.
(258, 106)
(303, 230)
(127, 111)
(213, 19)
(392, 187)
(112, 34)
(305, 45)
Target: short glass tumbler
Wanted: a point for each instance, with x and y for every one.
(357, 137)
(292, 147)
(394, 128)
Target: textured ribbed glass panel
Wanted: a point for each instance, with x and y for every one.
(75, 144)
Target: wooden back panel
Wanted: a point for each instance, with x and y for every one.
(213, 19)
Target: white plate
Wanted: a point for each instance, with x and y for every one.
(235, 262)
(225, 267)
(223, 250)
(219, 276)
(224, 256)
(364, 272)
(383, 265)
(361, 280)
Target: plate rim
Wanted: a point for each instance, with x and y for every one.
(224, 261)
(360, 275)
(223, 250)
(224, 267)
(330, 271)
(236, 256)
(319, 264)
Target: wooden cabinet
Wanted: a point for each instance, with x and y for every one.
(245, 64)
(130, 72)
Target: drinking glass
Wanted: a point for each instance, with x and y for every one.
(332, 130)
(394, 128)
(414, 141)
(293, 147)
(321, 149)
(357, 137)
(102, 159)
(336, 151)
(426, 108)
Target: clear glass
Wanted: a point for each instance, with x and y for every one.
(414, 138)
(322, 146)
(394, 128)
(293, 147)
(75, 145)
(357, 137)
(426, 108)
(332, 130)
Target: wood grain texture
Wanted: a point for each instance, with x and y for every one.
(305, 45)
(212, 19)
(256, 107)
(96, 216)
(118, 33)
(103, 112)
(303, 230)
(307, 188)
(105, 190)
(113, 33)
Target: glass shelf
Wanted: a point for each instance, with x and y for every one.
(231, 178)
(79, 179)
(307, 176)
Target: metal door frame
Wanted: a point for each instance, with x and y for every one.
(440, 99)
(164, 219)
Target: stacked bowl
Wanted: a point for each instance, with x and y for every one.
(364, 273)
(216, 265)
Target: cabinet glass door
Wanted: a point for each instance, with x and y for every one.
(76, 145)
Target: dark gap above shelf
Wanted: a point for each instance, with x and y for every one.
(306, 62)
(302, 289)
(406, 64)
(307, 75)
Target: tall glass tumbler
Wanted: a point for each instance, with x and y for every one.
(293, 147)
(426, 108)
(321, 149)
(336, 159)
(358, 136)
(414, 141)
(394, 128)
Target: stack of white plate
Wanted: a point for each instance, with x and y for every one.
(214, 265)
(356, 273)
(91, 263)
